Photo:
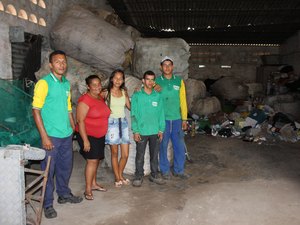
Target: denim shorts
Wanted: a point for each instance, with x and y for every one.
(117, 132)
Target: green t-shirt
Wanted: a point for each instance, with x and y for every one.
(54, 106)
(171, 96)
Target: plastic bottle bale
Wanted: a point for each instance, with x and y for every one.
(148, 53)
(100, 12)
(115, 20)
(206, 106)
(108, 16)
(132, 83)
(134, 33)
(195, 89)
(229, 88)
(90, 39)
(128, 59)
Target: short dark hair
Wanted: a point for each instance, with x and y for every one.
(149, 72)
(54, 53)
(89, 79)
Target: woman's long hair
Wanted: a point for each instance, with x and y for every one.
(111, 84)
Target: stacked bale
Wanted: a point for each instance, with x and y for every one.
(229, 88)
(148, 53)
(195, 89)
(90, 39)
(132, 84)
(206, 106)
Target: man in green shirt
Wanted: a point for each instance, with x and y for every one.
(175, 107)
(148, 125)
(52, 112)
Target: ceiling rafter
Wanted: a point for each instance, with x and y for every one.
(212, 20)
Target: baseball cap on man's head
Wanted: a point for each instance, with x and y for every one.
(166, 58)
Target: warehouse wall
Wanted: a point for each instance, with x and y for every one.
(290, 51)
(33, 16)
(243, 61)
(5, 53)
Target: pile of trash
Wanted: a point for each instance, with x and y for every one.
(259, 124)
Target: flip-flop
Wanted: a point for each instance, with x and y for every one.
(88, 197)
(99, 188)
(126, 182)
(118, 184)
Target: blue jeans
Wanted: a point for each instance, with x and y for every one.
(60, 167)
(140, 154)
(174, 131)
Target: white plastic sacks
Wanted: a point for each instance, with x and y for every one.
(90, 39)
(148, 53)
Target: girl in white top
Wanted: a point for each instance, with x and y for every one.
(118, 134)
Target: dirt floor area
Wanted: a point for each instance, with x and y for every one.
(232, 183)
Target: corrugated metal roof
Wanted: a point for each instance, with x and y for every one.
(213, 21)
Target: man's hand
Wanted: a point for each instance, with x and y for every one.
(47, 143)
(160, 136)
(184, 125)
(157, 88)
(137, 137)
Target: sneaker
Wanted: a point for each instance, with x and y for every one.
(183, 176)
(156, 180)
(71, 198)
(166, 176)
(137, 182)
(50, 212)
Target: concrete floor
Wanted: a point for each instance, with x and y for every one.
(233, 183)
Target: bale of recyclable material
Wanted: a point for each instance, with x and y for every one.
(134, 33)
(132, 84)
(206, 106)
(195, 89)
(229, 88)
(115, 20)
(90, 39)
(148, 53)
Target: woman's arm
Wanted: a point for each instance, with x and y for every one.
(127, 103)
(81, 112)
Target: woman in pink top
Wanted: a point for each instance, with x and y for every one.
(92, 123)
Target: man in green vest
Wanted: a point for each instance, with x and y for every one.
(175, 107)
(53, 116)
